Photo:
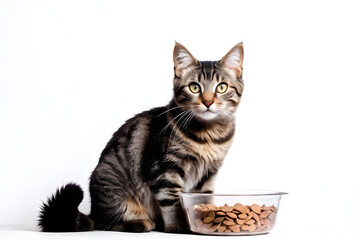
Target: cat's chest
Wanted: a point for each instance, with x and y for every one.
(209, 151)
(203, 153)
(209, 159)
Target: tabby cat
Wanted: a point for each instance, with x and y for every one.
(159, 153)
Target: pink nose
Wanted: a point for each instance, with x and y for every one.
(207, 103)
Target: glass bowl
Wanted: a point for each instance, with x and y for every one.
(239, 213)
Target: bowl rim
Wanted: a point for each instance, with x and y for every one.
(238, 193)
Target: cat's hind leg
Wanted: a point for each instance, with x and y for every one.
(128, 216)
(116, 204)
(135, 218)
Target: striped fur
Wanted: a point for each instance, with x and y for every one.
(167, 150)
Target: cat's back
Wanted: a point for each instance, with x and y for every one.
(131, 138)
(120, 161)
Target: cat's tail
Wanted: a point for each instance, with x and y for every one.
(60, 213)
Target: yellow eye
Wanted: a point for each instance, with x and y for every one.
(195, 88)
(222, 87)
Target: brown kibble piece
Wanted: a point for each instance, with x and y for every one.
(240, 222)
(208, 220)
(250, 222)
(218, 219)
(226, 208)
(205, 214)
(215, 227)
(238, 205)
(211, 215)
(252, 228)
(250, 216)
(235, 228)
(228, 223)
(258, 225)
(245, 227)
(242, 209)
(265, 214)
(243, 216)
(221, 228)
(256, 217)
(227, 230)
(256, 208)
(232, 215)
(220, 213)
(263, 207)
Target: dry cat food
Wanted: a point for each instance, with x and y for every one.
(237, 218)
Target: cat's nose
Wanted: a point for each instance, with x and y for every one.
(207, 103)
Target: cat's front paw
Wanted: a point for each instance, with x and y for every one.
(175, 228)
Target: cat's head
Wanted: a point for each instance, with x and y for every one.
(211, 90)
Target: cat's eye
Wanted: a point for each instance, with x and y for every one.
(195, 88)
(221, 88)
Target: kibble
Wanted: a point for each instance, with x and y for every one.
(242, 216)
(235, 228)
(228, 223)
(222, 228)
(220, 213)
(250, 215)
(256, 208)
(217, 220)
(237, 218)
(232, 215)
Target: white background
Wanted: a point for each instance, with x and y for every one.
(71, 72)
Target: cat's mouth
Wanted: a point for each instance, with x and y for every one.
(207, 114)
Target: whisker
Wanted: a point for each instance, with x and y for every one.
(180, 114)
(172, 109)
(186, 118)
(185, 115)
(191, 117)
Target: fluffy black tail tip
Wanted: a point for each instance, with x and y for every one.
(60, 213)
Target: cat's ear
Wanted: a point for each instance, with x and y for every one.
(233, 60)
(182, 59)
